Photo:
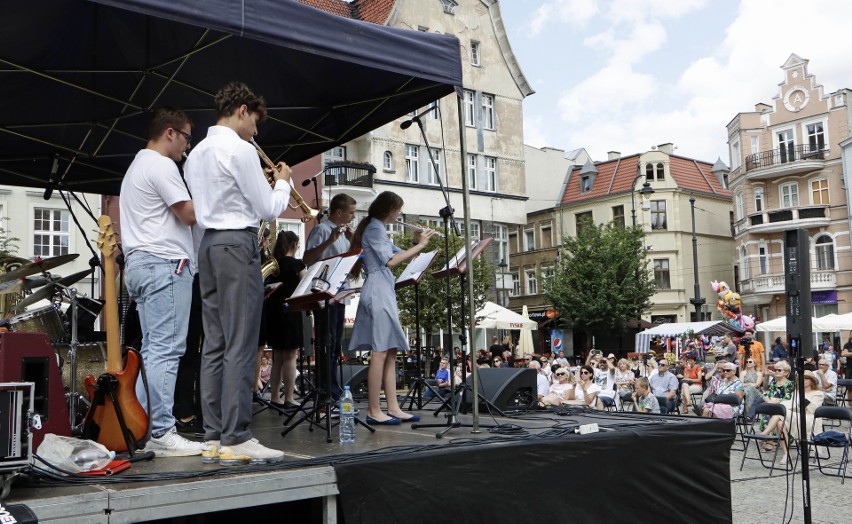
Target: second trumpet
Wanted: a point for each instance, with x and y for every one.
(417, 228)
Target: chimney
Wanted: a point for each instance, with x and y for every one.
(760, 107)
(612, 155)
(667, 148)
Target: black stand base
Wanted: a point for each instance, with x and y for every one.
(415, 394)
(454, 402)
(319, 410)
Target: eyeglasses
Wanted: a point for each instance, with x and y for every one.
(823, 365)
(584, 372)
(187, 136)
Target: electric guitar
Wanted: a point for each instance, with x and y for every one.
(104, 423)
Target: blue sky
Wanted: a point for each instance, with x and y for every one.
(625, 75)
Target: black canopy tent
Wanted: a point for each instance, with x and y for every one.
(78, 77)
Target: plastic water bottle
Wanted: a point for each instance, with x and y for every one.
(347, 417)
(88, 459)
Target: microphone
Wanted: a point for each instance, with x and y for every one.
(415, 118)
(51, 185)
(307, 182)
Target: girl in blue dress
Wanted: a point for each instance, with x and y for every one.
(377, 326)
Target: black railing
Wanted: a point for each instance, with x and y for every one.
(344, 173)
(757, 220)
(812, 212)
(780, 216)
(785, 155)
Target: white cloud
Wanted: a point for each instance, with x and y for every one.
(575, 13)
(606, 93)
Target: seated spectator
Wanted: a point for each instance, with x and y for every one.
(780, 386)
(442, 377)
(508, 359)
(542, 385)
(624, 380)
(827, 381)
(561, 359)
(752, 379)
(605, 380)
(789, 426)
(779, 351)
(643, 400)
(731, 385)
(693, 375)
(585, 390)
(714, 378)
(558, 391)
(497, 362)
(664, 385)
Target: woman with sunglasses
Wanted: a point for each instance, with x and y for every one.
(780, 386)
(585, 392)
(563, 382)
(752, 379)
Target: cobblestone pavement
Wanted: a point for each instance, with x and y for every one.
(757, 499)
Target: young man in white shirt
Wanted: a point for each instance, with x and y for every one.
(231, 196)
(156, 214)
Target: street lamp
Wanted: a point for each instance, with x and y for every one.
(645, 191)
(502, 291)
(698, 300)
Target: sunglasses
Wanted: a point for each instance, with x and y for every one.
(585, 373)
(749, 361)
(562, 374)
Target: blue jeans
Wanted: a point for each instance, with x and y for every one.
(163, 300)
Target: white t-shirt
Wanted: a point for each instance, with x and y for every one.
(153, 184)
(542, 385)
(591, 388)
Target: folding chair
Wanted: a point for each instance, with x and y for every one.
(739, 419)
(768, 409)
(843, 385)
(626, 398)
(841, 415)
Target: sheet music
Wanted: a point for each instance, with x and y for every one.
(339, 269)
(417, 266)
(459, 257)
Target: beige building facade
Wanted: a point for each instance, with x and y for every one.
(787, 173)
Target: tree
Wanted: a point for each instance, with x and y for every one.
(602, 279)
(8, 244)
(433, 293)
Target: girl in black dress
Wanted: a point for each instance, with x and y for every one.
(284, 328)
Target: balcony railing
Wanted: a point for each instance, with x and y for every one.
(344, 173)
(776, 283)
(785, 155)
(787, 215)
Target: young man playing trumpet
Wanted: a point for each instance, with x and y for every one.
(329, 238)
(231, 196)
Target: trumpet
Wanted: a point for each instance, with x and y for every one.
(417, 229)
(308, 213)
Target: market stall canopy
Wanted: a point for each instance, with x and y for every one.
(78, 78)
(494, 316)
(831, 323)
(676, 329)
(778, 325)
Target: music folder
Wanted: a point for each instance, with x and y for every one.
(458, 263)
(324, 280)
(416, 269)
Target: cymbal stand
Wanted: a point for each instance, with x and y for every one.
(73, 396)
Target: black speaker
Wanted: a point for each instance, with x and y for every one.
(507, 388)
(797, 285)
(356, 378)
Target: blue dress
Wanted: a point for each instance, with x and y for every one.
(377, 326)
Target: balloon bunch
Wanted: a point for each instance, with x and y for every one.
(729, 305)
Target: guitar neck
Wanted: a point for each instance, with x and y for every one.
(108, 245)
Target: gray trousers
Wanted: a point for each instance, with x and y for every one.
(232, 301)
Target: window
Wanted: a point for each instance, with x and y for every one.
(513, 242)
(434, 110)
(786, 146)
(529, 239)
(474, 230)
(490, 173)
(488, 112)
(824, 253)
(735, 154)
(546, 274)
(469, 99)
(658, 215)
(394, 229)
(758, 199)
(585, 184)
(744, 262)
(816, 137)
(387, 161)
(755, 145)
(474, 53)
(434, 170)
(516, 285)
(618, 216)
(334, 154)
(50, 232)
(450, 6)
(532, 283)
(649, 172)
(546, 237)
(790, 195)
(819, 192)
(297, 227)
(412, 163)
(661, 172)
(581, 219)
(471, 171)
(662, 278)
(740, 206)
(763, 258)
(501, 241)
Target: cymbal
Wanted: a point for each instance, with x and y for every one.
(22, 284)
(41, 266)
(48, 291)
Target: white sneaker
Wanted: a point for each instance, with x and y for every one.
(250, 451)
(210, 455)
(173, 445)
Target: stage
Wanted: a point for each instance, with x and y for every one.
(401, 474)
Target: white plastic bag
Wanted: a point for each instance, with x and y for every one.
(73, 454)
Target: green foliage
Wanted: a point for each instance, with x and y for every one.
(8, 244)
(602, 279)
(433, 293)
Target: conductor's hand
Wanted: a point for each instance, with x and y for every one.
(422, 237)
(281, 172)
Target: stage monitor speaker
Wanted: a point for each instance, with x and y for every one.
(355, 377)
(507, 388)
(29, 357)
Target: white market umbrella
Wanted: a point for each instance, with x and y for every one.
(494, 316)
(778, 325)
(831, 323)
(525, 344)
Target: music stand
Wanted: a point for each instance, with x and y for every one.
(318, 289)
(411, 276)
(457, 265)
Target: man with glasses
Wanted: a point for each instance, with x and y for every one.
(156, 214)
(542, 384)
(827, 379)
(664, 385)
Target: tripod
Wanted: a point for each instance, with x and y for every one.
(320, 395)
(415, 392)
